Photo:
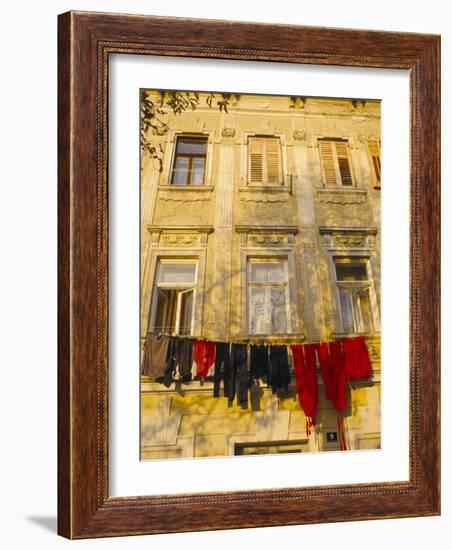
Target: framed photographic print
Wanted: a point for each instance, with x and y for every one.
(248, 275)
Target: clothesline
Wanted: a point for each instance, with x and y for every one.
(260, 340)
(240, 365)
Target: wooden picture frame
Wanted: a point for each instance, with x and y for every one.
(85, 508)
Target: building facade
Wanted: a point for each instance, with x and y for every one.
(261, 221)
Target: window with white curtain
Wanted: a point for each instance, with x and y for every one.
(173, 297)
(268, 296)
(354, 288)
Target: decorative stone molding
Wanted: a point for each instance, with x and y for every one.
(267, 237)
(348, 237)
(299, 135)
(342, 196)
(297, 102)
(185, 194)
(228, 132)
(179, 237)
(160, 130)
(264, 194)
(358, 105)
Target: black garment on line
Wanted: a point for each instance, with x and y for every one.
(179, 360)
(240, 375)
(222, 369)
(259, 362)
(279, 373)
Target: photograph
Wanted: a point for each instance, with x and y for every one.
(260, 274)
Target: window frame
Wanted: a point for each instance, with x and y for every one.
(181, 287)
(250, 285)
(339, 183)
(180, 137)
(355, 287)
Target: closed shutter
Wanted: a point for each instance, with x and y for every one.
(264, 161)
(256, 161)
(335, 162)
(329, 168)
(344, 165)
(273, 170)
(374, 151)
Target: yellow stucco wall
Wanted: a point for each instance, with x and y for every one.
(225, 221)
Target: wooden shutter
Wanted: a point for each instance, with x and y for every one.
(329, 169)
(273, 169)
(256, 155)
(374, 151)
(343, 162)
(264, 161)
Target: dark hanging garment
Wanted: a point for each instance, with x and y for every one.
(155, 355)
(185, 358)
(240, 375)
(279, 373)
(179, 360)
(258, 363)
(172, 360)
(306, 381)
(356, 358)
(222, 369)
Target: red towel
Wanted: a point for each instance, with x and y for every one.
(306, 381)
(338, 387)
(204, 356)
(356, 358)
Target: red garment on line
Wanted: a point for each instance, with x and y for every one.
(336, 387)
(338, 380)
(326, 368)
(356, 358)
(203, 356)
(306, 380)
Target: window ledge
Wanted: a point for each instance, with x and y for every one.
(341, 196)
(374, 334)
(185, 193)
(185, 188)
(265, 188)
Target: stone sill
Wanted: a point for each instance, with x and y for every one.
(265, 188)
(185, 188)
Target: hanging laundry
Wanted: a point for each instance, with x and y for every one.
(279, 373)
(356, 358)
(240, 374)
(338, 387)
(222, 370)
(258, 362)
(155, 355)
(304, 361)
(325, 368)
(203, 356)
(179, 360)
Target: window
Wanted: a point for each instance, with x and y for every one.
(264, 161)
(270, 447)
(189, 161)
(373, 146)
(336, 165)
(268, 297)
(172, 308)
(354, 290)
